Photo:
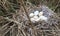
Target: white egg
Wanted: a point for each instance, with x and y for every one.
(31, 15)
(41, 13)
(32, 20)
(43, 18)
(37, 20)
(35, 17)
(36, 12)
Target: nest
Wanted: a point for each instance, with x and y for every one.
(41, 28)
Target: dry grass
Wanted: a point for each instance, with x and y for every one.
(24, 26)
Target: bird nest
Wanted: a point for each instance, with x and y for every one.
(41, 27)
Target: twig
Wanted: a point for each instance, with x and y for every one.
(5, 25)
(56, 6)
(22, 3)
(11, 20)
(9, 29)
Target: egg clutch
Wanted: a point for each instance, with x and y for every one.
(37, 16)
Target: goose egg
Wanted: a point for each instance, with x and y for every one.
(43, 18)
(35, 17)
(32, 20)
(31, 15)
(41, 13)
(36, 12)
